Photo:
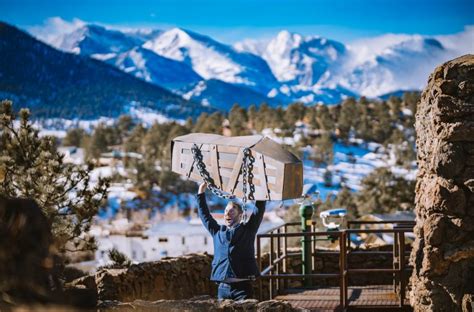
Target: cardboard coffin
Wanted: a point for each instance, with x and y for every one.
(277, 173)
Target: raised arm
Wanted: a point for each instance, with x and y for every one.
(257, 216)
(203, 210)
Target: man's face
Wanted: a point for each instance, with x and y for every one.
(231, 215)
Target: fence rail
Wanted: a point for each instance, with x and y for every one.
(276, 271)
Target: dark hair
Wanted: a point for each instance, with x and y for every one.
(236, 206)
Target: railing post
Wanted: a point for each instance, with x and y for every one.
(285, 254)
(306, 212)
(278, 264)
(270, 272)
(395, 261)
(342, 251)
(401, 260)
(259, 262)
(346, 237)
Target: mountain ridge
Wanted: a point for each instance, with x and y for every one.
(53, 83)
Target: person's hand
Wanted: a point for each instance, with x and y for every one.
(202, 187)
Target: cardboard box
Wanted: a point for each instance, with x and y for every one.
(276, 174)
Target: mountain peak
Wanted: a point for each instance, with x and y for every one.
(286, 38)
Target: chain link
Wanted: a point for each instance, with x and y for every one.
(247, 176)
(198, 159)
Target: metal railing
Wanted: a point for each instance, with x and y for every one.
(276, 273)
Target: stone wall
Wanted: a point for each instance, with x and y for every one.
(443, 253)
(26, 264)
(199, 305)
(170, 278)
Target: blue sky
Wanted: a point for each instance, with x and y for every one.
(230, 21)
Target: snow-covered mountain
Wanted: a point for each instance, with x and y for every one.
(295, 59)
(289, 67)
(403, 65)
(213, 60)
(223, 95)
(154, 68)
(311, 67)
(179, 60)
(55, 84)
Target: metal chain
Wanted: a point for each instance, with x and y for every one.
(244, 184)
(198, 159)
(247, 176)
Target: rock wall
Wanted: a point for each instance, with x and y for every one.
(443, 252)
(26, 265)
(173, 278)
(199, 305)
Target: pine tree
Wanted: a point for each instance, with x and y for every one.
(124, 125)
(238, 120)
(294, 112)
(364, 126)
(345, 199)
(323, 150)
(31, 167)
(382, 126)
(395, 104)
(253, 115)
(133, 142)
(74, 137)
(383, 192)
(98, 143)
(324, 118)
(347, 118)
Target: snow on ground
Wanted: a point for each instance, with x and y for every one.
(352, 163)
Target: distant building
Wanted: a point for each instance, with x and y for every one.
(163, 239)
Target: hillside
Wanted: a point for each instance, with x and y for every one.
(57, 84)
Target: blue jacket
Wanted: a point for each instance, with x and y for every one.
(234, 251)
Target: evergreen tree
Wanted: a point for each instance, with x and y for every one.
(294, 112)
(323, 150)
(324, 118)
(31, 167)
(395, 104)
(200, 124)
(347, 118)
(213, 123)
(74, 137)
(364, 125)
(98, 143)
(266, 117)
(189, 124)
(133, 142)
(345, 199)
(124, 125)
(238, 120)
(383, 192)
(253, 115)
(382, 126)
(311, 117)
